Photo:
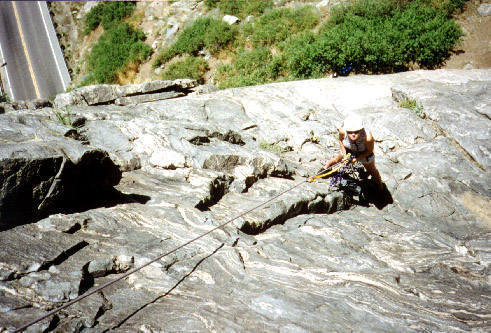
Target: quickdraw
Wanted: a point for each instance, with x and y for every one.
(337, 167)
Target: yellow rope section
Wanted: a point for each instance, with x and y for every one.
(345, 161)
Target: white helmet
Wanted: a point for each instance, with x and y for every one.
(353, 123)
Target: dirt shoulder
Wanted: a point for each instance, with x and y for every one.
(474, 50)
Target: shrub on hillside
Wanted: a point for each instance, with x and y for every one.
(240, 8)
(304, 58)
(279, 24)
(118, 46)
(206, 32)
(257, 66)
(375, 37)
(107, 13)
(450, 7)
(187, 68)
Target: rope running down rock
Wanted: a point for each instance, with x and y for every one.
(136, 269)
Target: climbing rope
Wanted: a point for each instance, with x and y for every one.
(136, 269)
(333, 169)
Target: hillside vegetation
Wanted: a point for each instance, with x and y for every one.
(273, 44)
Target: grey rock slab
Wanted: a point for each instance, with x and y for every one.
(108, 137)
(460, 110)
(19, 317)
(98, 94)
(155, 86)
(295, 202)
(147, 98)
(314, 257)
(41, 170)
(20, 259)
(107, 94)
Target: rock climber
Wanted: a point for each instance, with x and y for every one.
(355, 139)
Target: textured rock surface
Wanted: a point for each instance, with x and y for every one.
(42, 171)
(316, 259)
(124, 95)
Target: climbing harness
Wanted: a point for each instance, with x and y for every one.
(334, 168)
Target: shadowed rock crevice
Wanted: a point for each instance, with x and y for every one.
(218, 188)
(34, 188)
(105, 306)
(24, 184)
(229, 136)
(320, 204)
(200, 140)
(64, 256)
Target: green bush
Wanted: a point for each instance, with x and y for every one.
(117, 47)
(108, 13)
(189, 67)
(206, 32)
(362, 8)
(279, 24)
(450, 7)
(425, 34)
(257, 66)
(4, 98)
(240, 8)
(374, 37)
(304, 57)
(93, 18)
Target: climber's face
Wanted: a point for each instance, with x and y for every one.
(354, 135)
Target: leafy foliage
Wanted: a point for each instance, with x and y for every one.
(108, 13)
(364, 36)
(450, 7)
(189, 67)
(375, 37)
(117, 47)
(273, 148)
(240, 8)
(411, 104)
(305, 56)
(206, 32)
(64, 118)
(4, 98)
(257, 66)
(278, 24)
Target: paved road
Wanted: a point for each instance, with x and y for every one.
(35, 67)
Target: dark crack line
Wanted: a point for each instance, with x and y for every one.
(166, 293)
(105, 306)
(457, 145)
(63, 255)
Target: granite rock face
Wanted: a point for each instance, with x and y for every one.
(124, 95)
(318, 258)
(41, 171)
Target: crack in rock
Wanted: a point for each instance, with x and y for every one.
(317, 198)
